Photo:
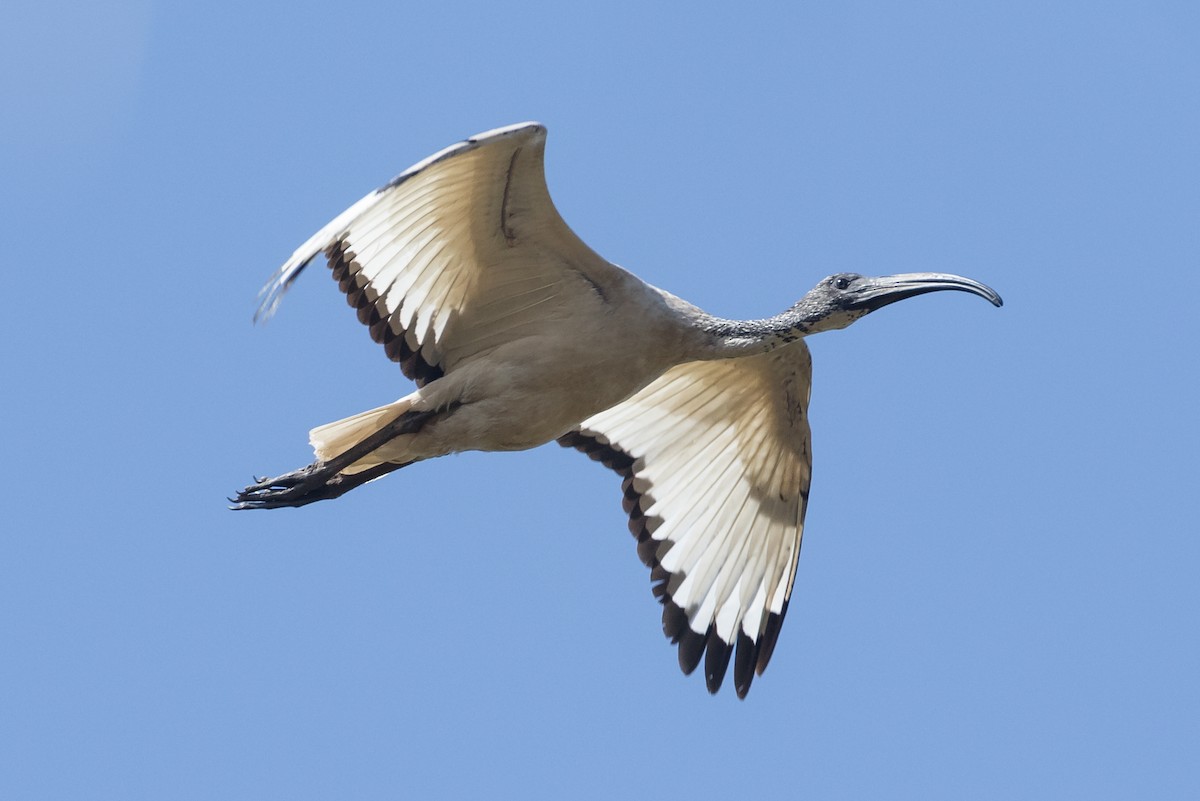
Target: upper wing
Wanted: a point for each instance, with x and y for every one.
(717, 465)
(461, 252)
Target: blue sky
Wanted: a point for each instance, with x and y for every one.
(997, 596)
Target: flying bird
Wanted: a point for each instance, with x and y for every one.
(516, 334)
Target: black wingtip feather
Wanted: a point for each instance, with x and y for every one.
(743, 664)
(716, 661)
(769, 637)
(691, 648)
(675, 621)
(647, 550)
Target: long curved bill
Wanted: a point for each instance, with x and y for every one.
(875, 293)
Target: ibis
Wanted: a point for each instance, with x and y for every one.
(517, 334)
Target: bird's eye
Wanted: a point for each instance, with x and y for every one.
(841, 283)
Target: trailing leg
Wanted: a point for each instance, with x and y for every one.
(324, 479)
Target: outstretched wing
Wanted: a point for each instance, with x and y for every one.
(717, 464)
(458, 254)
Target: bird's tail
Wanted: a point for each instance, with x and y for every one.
(334, 439)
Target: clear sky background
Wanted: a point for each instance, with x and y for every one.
(998, 595)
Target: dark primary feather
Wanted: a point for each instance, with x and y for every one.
(752, 656)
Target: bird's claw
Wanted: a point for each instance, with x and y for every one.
(284, 490)
(297, 488)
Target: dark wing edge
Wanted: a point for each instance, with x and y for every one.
(401, 347)
(752, 656)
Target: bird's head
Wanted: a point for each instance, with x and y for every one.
(839, 300)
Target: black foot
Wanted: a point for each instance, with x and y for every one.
(324, 480)
(304, 486)
(297, 488)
